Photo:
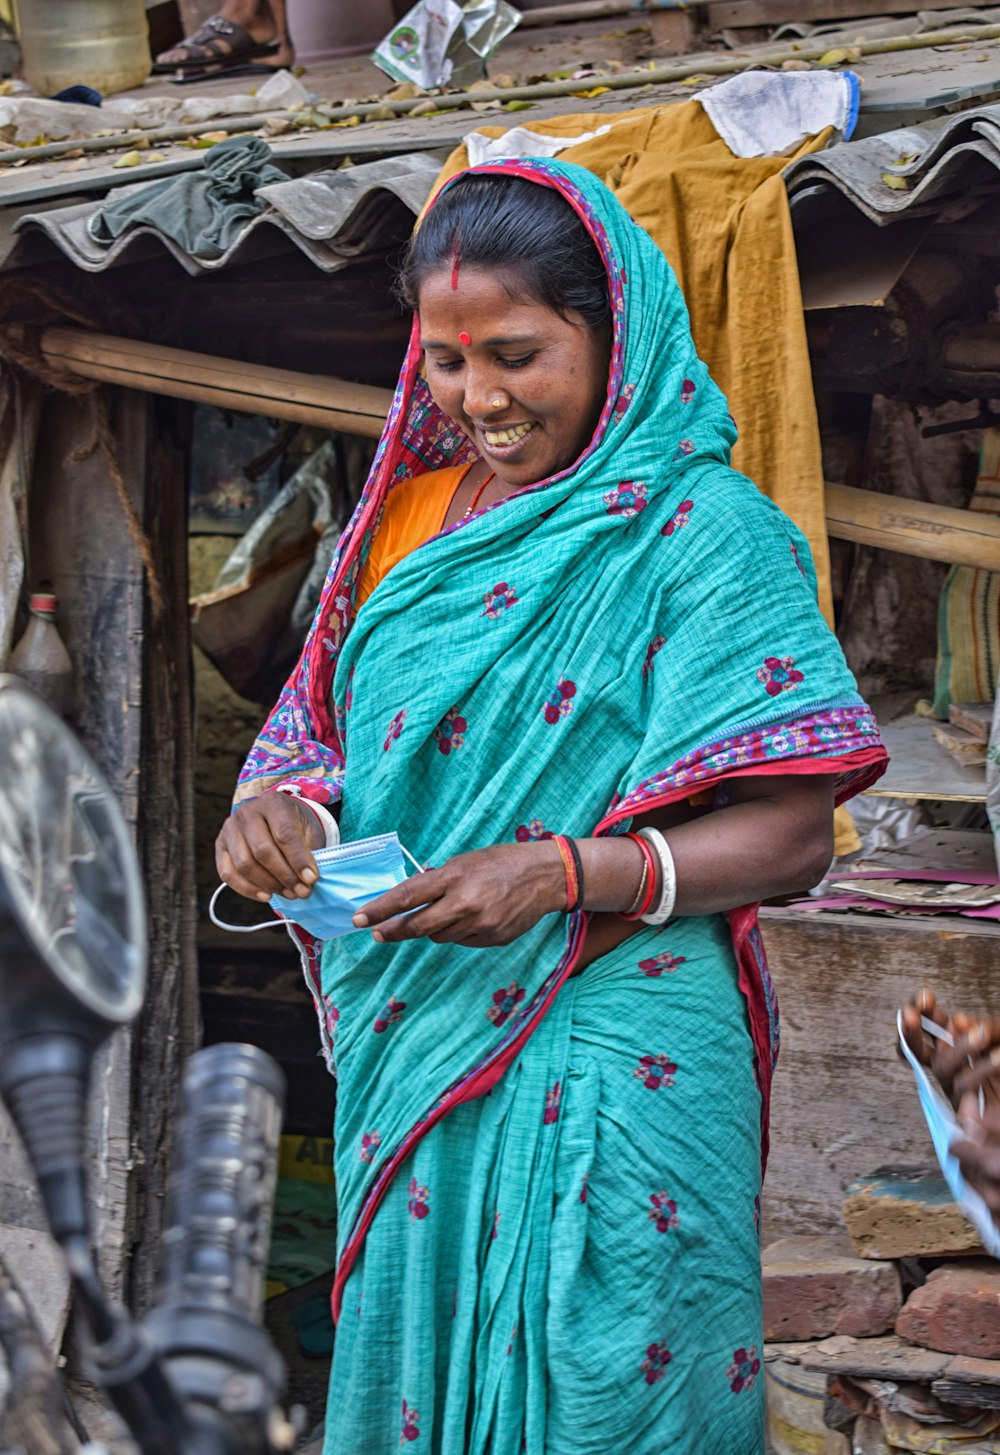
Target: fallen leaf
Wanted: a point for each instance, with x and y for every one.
(796, 65)
(693, 80)
(424, 108)
(76, 152)
(209, 138)
(594, 91)
(381, 113)
(897, 184)
(518, 105)
(905, 158)
(840, 56)
(129, 159)
(503, 81)
(76, 166)
(485, 105)
(157, 157)
(347, 121)
(405, 91)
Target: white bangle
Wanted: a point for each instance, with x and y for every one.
(327, 822)
(668, 878)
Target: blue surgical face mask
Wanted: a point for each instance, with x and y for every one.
(943, 1126)
(350, 876)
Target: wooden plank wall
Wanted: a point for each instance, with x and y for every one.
(133, 714)
(844, 1100)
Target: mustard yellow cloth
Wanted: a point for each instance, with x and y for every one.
(724, 224)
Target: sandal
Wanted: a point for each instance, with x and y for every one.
(219, 45)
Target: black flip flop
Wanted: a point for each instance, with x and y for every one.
(217, 31)
(189, 78)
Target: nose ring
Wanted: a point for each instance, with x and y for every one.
(496, 404)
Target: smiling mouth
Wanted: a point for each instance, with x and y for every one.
(507, 436)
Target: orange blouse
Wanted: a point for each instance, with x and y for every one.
(414, 511)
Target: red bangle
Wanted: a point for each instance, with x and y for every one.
(573, 886)
(650, 869)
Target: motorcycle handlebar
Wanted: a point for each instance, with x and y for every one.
(207, 1323)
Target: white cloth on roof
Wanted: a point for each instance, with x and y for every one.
(770, 113)
(519, 142)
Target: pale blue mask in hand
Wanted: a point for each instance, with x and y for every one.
(944, 1128)
(350, 876)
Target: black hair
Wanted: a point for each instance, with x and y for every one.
(504, 222)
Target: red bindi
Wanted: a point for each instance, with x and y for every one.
(464, 338)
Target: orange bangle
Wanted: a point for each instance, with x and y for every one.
(574, 877)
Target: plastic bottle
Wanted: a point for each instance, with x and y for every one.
(99, 43)
(40, 657)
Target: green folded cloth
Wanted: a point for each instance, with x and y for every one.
(204, 212)
(304, 1232)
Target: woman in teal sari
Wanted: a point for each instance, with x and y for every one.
(551, 1119)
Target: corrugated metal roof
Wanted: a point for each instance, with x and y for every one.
(331, 216)
(908, 172)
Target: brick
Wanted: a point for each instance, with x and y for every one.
(957, 1311)
(966, 1381)
(906, 1212)
(814, 1287)
(887, 1357)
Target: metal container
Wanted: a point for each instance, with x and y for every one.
(99, 43)
(794, 1406)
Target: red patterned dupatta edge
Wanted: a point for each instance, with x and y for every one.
(855, 771)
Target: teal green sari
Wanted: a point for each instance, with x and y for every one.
(548, 1185)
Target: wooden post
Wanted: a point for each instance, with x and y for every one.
(133, 714)
(673, 31)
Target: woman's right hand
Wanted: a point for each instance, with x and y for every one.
(265, 847)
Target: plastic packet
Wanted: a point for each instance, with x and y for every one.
(441, 43)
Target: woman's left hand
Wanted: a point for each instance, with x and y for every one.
(486, 897)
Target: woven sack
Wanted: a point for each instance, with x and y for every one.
(968, 661)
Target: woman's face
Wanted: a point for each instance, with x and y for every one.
(528, 387)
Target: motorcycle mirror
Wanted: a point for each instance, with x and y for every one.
(72, 921)
(72, 938)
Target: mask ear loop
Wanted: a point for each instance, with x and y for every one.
(420, 868)
(267, 924)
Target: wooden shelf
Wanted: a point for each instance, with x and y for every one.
(921, 768)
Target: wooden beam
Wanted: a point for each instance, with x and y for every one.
(726, 14)
(913, 527)
(891, 522)
(253, 388)
(578, 10)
